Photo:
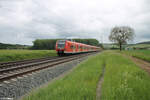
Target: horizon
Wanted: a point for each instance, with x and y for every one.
(79, 38)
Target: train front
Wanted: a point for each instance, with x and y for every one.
(60, 47)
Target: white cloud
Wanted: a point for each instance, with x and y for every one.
(32, 19)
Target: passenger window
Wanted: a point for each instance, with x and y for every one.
(71, 46)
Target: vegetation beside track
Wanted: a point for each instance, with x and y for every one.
(141, 54)
(14, 55)
(78, 85)
(123, 80)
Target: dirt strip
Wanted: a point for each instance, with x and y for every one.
(139, 62)
(143, 64)
(98, 90)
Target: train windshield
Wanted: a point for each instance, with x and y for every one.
(61, 44)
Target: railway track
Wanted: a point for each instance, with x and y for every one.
(12, 70)
(14, 63)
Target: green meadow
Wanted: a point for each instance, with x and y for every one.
(141, 54)
(14, 55)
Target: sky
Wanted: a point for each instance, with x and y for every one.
(23, 21)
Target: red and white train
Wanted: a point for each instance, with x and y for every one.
(64, 47)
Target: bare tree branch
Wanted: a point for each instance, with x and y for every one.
(121, 35)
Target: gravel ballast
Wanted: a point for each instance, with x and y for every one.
(20, 86)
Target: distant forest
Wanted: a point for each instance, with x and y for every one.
(46, 44)
(50, 43)
(13, 46)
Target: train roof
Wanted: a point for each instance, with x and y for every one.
(80, 43)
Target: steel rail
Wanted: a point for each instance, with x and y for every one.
(12, 63)
(29, 65)
(24, 62)
(25, 69)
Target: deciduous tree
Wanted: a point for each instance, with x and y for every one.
(121, 35)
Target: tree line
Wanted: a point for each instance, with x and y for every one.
(50, 43)
(12, 46)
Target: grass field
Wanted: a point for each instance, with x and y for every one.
(139, 46)
(142, 54)
(13, 55)
(123, 80)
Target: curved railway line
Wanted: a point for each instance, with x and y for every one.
(12, 70)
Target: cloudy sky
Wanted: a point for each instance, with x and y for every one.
(23, 21)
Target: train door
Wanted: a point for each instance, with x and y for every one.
(74, 47)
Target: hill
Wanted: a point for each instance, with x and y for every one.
(139, 46)
(127, 46)
(147, 42)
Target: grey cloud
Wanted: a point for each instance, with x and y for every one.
(22, 21)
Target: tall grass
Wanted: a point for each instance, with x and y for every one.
(13, 55)
(141, 54)
(124, 80)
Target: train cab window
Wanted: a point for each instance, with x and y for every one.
(61, 44)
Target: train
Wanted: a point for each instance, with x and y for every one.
(67, 47)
